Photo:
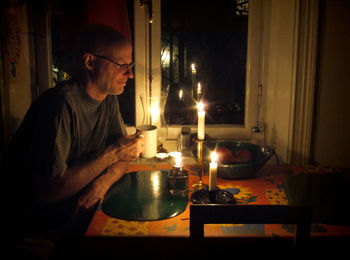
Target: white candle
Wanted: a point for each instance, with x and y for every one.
(199, 91)
(181, 94)
(199, 88)
(178, 161)
(193, 68)
(155, 112)
(201, 121)
(213, 166)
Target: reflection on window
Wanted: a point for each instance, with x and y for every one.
(242, 7)
(203, 57)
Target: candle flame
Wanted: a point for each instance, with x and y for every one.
(200, 107)
(178, 161)
(155, 112)
(180, 94)
(199, 89)
(193, 67)
(214, 157)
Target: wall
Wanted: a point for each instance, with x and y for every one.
(279, 61)
(16, 79)
(332, 125)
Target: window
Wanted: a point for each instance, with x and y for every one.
(278, 62)
(172, 50)
(226, 60)
(203, 58)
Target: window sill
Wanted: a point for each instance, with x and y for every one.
(214, 131)
(170, 146)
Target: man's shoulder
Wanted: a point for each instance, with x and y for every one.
(57, 98)
(64, 90)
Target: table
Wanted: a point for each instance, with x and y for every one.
(266, 188)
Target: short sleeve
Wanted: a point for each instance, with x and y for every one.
(54, 137)
(62, 144)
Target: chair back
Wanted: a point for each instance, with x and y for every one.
(201, 214)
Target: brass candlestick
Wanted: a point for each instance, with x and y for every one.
(201, 194)
(200, 147)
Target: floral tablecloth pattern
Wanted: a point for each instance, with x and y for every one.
(266, 188)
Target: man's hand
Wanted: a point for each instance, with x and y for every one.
(93, 194)
(127, 148)
(132, 152)
(130, 147)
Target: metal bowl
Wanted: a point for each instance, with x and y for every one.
(237, 170)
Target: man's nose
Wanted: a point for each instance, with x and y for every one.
(130, 73)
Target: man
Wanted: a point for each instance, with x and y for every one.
(72, 144)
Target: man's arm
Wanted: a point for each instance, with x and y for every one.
(78, 176)
(97, 189)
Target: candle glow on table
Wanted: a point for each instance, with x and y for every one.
(213, 166)
(201, 121)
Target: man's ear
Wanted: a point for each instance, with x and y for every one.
(89, 61)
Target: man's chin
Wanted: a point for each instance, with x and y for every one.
(117, 91)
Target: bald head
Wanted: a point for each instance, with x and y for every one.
(96, 39)
(99, 38)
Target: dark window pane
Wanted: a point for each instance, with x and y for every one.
(127, 98)
(213, 36)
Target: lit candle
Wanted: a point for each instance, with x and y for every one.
(175, 154)
(213, 166)
(178, 161)
(194, 80)
(181, 94)
(193, 67)
(201, 121)
(155, 112)
(199, 91)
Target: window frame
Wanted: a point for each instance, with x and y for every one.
(142, 82)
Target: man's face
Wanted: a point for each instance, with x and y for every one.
(110, 77)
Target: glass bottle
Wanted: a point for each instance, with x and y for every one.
(153, 114)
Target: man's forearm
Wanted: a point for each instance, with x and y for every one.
(80, 175)
(76, 178)
(97, 189)
(113, 174)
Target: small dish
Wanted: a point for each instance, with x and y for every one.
(175, 154)
(162, 156)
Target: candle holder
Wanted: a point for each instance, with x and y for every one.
(200, 147)
(201, 193)
(216, 196)
(178, 182)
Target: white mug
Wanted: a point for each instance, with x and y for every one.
(149, 132)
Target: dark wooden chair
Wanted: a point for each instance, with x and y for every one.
(201, 214)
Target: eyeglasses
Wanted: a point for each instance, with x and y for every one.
(122, 66)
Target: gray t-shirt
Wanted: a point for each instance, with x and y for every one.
(64, 126)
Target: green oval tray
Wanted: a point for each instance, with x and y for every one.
(142, 195)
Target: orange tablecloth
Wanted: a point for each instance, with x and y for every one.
(267, 188)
